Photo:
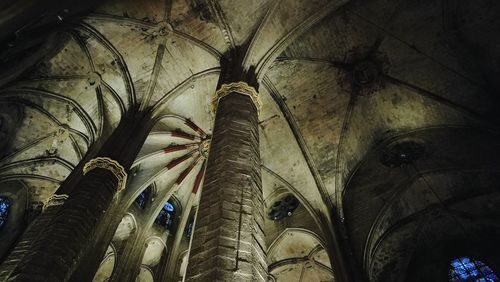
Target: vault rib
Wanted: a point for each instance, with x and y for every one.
(50, 160)
(219, 13)
(300, 140)
(342, 138)
(388, 33)
(129, 85)
(197, 42)
(280, 44)
(38, 108)
(160, 51)
(439, 99)
(81, 113)
(31, 144)
(179, 88)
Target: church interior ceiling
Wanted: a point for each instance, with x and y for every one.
(379, 120)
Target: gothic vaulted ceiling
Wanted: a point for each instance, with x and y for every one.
(342, 83)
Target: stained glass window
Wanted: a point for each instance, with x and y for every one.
(464, 269)
(189, 229)
(4, 210)
(142, 199)
(283, 208)
(166, 216)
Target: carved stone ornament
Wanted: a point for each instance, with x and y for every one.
(236, 87)
(204, 147)
(56, 200)
(108, 164)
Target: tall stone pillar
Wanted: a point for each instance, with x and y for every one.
(76, 222)
(228, 240)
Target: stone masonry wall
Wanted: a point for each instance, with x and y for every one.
(228, 241)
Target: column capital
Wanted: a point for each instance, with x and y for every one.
(111, 165)
(239, 87)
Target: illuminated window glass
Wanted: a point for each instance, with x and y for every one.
(142, 199)
(4, 210)
(166, 216)
(189, 229)
(465, 269)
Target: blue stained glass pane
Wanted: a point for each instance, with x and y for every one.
(464, 260)
(168, 206)
(166, 216)
(479, 263)
(189, 231)
(469, 266)
(456, 263)
(142, 199)
(474, 273)
(462, 274)
(486, 270)
(492, 277)
(4, 210)
(465, 269)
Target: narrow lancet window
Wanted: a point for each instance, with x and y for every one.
(166, 216)
(143, 198)
(4, 210)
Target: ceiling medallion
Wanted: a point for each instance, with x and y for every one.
(94, 79)
(366, 77)
(402, 154)
(362, 72)
(204, 147)
(365, 72)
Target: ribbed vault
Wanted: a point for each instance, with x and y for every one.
(340, 83)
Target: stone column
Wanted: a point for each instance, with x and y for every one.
(128, 263)
(74, 226)
(228, 240)
(24, 243)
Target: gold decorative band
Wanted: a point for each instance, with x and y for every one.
(111, 165)
(236, 87)
(56, 200)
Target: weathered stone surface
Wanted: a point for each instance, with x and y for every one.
(228, 242)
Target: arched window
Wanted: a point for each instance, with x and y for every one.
(166, 216)
(4, 210)
(189, 229)
(143, 198)
(464, 269)
(283, 208)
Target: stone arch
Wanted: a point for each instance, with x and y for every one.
(304, 216)
(156, 247)
(299, 253)
(395, 212)
(145, 274)
(126, 227)
(107, 265)
(182, 262)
